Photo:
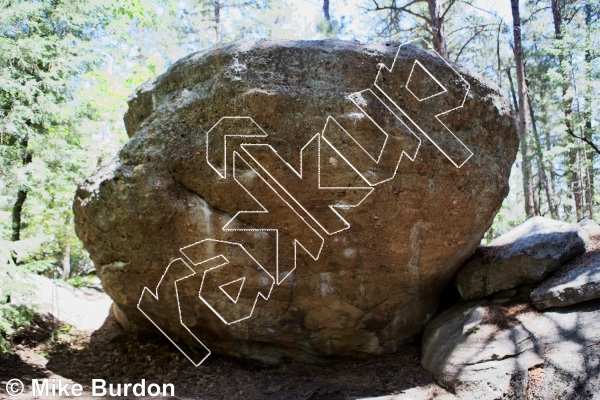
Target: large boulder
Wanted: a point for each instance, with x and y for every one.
(525, 255)
(357, 286)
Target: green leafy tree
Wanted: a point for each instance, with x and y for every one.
(44, 46)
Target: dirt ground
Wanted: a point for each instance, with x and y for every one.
(116, 356)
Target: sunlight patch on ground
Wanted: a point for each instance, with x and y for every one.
(83, 308)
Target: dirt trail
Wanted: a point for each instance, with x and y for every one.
(78, 356)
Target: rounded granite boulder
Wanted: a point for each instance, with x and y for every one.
(297, 199)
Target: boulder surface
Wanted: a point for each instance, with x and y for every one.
(290, 228)
(524, 255)
(575, 282)
(481, 350)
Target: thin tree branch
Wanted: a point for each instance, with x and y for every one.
(493, 14)
(451, 3)
(526, 20)
(481, 26)
(583, 138)
(466, 43)
(402, 9)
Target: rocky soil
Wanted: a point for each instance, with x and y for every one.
(120, 357)
(506, 345)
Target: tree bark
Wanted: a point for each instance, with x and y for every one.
(499, 74)
(573, 175)
(17, 209)
(140, 43)
(587, 108)
(66, 263)
(437, 26)
(217, 16)
(17, 212)
(526, 172)
(326, 11)
(522, 109)
(543, 179)
(574, 179)
(548, 145)
(434, 18)
(518, 52)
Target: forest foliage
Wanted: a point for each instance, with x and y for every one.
(67, 67)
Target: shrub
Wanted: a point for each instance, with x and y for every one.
(12, 316)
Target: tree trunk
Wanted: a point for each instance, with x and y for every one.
(217, 15)
(437, 26)
(66, 263)
(543, 179)
(531, 208)
(326, 11)
(522, 108)
(552, 172)
(327, 16)
(521, 84)
(587, 108)
(140, 43)
(17, 209)
(499, 74)
(573, 175)
(17, 212)
(525, 164)
(574, 180)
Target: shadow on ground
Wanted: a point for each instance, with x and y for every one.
(119, 357)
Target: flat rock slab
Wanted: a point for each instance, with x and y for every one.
(575, 282)
(526, 254)
(242, 151)
(481, 350)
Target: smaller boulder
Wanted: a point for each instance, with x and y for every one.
(524, 255)
(591, 226)
(479, 350)
(575, 282)
(484, 350)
